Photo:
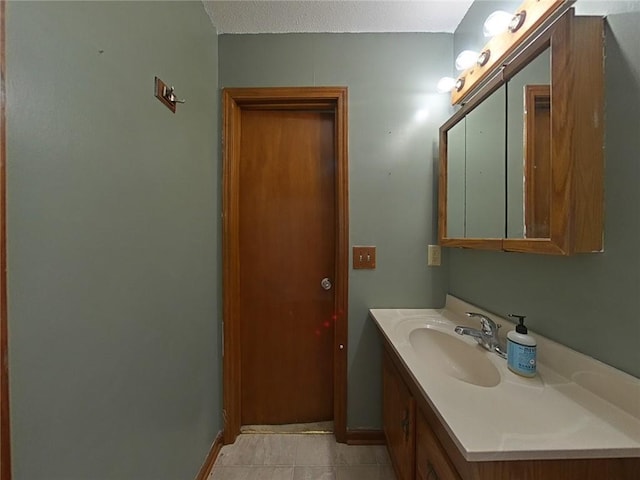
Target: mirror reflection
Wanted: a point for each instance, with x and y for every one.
(456, 166)
(485, 172)
(529, 150)
(499, 160)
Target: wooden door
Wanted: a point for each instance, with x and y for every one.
(287, 247)
(285, 229)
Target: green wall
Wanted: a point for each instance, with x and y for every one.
(112, 240)
(589, 302)
(392, 166)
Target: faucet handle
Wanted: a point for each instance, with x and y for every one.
(489, 327)
(490, 323)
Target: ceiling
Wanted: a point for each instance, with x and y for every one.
(244, 16)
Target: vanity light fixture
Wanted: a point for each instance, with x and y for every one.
(517, 21)
(529, 17)
(484, 57)
(496, 23)
(466, 59)
(446, 84)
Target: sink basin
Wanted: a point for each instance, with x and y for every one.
(454, 357)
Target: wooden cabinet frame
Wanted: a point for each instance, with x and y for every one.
(5, 435)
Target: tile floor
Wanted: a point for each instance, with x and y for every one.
(300, 457)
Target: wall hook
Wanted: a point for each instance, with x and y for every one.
(166, 95)
(169, 94)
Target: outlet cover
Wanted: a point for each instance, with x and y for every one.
(434, 256)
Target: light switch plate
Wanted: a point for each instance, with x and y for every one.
(364, 257)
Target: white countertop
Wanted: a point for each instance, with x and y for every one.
(575, 407)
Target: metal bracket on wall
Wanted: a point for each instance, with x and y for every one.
(166, 95)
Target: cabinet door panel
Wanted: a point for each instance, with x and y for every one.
(456, 165)
(485, 168)
(432, 462)
(529, 150)
(399, 420)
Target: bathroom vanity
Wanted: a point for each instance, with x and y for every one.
(453, 411)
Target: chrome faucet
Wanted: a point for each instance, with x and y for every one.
(487, 336)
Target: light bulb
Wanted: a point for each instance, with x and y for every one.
(517, 21)
(466, 59)
(446, 84)
(496, 23)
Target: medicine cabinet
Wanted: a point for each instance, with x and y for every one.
(521, 162)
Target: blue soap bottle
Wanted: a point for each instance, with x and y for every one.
(521, 349)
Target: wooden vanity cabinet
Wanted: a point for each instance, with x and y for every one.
(399, 420)
(414, 448)
(432, 461)
(421, 448)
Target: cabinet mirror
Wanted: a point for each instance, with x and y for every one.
(476, 166)
(521, 163)
(495, 158)
(528, 150)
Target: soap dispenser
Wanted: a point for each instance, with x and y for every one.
(521, 349)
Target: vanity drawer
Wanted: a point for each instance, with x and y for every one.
(432, 462)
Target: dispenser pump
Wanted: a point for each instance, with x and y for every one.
(520, 328)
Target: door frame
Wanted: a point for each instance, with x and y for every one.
(281, 98)
(5, 437)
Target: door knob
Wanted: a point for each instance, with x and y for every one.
(325, 283)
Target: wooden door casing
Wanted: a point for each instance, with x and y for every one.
(5, 436)
(314, 99)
